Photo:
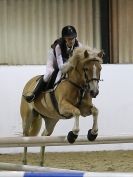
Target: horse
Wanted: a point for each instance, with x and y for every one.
(70, 98)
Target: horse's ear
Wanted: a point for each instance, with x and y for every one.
(86, 54)
(100, 54)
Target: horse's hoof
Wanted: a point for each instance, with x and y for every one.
(90, 136)
(24, 162)
(41, 164)
(71, 137)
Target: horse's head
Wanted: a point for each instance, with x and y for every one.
(91, 65)
(86, 64)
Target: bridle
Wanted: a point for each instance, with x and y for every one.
(83, 90)
(89, 80)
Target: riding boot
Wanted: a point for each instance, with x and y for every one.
(41, 86)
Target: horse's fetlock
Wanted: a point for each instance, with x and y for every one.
(76, 132)
(24, 162)
(41, 163)
(94, 132)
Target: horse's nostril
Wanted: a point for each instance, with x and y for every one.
(97, 92)
(91, 92)
(94, 94)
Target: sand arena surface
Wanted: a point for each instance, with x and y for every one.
(120, 161)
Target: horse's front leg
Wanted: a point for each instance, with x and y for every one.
(75, 128)
(72, 135)
(92, 133)
(65, 109)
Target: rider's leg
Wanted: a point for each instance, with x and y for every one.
(42, 84)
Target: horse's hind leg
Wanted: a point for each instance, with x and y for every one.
(26, 126)
(31, 127)
(49, 127)
(92, 133)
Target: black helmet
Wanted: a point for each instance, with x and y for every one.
(69, 31)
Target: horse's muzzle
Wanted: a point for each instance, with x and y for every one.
(94, 94)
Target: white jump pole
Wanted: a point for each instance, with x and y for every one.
(27, 168)
(53, 141)
(60, 140)
(63, 174)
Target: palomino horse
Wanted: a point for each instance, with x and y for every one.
(71, 98)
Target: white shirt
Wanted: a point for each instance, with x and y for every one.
(60, 60)
(59, 55)
(49, 67)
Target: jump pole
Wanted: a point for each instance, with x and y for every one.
(54, 141)
(31, 168)
(64, 174)
(60, 141)
(15, 170)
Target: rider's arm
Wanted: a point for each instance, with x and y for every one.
(59, 57)
(63, 67)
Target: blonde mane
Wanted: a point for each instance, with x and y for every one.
(79, 54)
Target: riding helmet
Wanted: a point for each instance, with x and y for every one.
(69, 31)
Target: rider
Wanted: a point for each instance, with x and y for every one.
(59, 53)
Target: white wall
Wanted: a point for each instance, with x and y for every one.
(115, 103)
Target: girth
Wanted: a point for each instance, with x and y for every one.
(55, 103)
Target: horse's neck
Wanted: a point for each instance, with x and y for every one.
(76, 77)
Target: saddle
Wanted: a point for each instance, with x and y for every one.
(51, 82)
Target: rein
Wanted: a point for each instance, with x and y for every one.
(82, 91)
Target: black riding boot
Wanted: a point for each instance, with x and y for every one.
(41, 86)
